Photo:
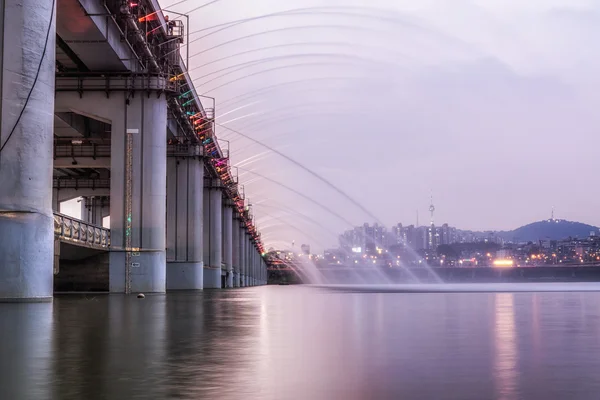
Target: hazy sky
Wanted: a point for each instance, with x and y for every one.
(491, 105)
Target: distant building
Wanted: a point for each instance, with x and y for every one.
(305, 248)
(504, 253)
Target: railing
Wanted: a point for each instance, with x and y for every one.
(84, 149)
(80, 232)
(184, 150)
(80, 183)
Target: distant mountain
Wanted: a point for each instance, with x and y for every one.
(554, 229)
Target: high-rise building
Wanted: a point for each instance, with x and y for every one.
(409, 236)
(398, 234)
(445, 234)
(432, 235)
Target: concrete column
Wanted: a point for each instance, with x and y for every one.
(254, 269)
(248, 259)
(242, 239)
(252, 261)
(85, 209)
(146, 117)
(93, 209)
(254, 266)
(235, 250)
(26, 222)
(55, 202)
(228, 243)
(250, 264)
(262, 271)
(185, 186)
(141, 116)
(213, 238)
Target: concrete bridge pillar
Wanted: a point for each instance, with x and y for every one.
(26, 224)
(145, 121)
(185, 186)
(235, 249)
(248, 260)
(262, 271)
(213, 236)
(138, 178)
(228, 242)
(55, 201)
(252, 271)
(94, 209)
(265, 273)
(252, 261)
(255, 266)
(242, 250)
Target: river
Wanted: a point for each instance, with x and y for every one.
(293, 342)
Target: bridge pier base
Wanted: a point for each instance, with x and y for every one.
(213, 236)
(185, 184)
(26, 222)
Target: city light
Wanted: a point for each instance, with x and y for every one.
(502, 263)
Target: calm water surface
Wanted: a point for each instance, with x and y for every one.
(286, 342)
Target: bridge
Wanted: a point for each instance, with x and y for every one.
(98, 104)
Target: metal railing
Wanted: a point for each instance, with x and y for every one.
(84, 149)
(80, 232)
(80, 183)
(184, 150)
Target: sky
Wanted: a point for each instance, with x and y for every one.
(489, 106)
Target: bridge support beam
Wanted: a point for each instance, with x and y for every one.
(213, 236)
(228, 243)
(185, 184)
(26, 222)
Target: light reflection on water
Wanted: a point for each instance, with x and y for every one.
(299, 343)
(505, 365)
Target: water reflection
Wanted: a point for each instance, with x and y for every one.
(506, 357)
(280, 343)
(25, 356)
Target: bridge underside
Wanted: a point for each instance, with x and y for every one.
(80, 268)
(115, 117)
